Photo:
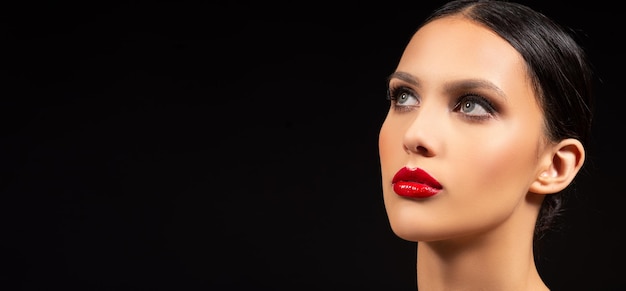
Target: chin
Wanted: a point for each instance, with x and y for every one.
(411, 231)
(417, 226)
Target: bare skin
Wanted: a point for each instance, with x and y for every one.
(492, 158)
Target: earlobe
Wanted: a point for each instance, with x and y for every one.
(562, 165)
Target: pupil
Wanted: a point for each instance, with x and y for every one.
(468, 105)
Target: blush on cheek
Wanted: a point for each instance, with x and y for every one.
(505, 165)
(385, 144)
(390, 150)
(389, 145)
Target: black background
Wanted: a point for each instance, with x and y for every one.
(190, 146)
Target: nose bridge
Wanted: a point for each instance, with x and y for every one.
(422, 134)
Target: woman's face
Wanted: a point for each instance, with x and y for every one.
(463, 110)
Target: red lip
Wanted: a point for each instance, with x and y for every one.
(415, 183)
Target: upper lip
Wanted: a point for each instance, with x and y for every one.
(416, 175)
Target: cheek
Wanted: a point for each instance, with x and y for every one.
(389, 148)
(499, 165)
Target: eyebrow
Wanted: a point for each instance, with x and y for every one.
(457, 85)
(406, 77)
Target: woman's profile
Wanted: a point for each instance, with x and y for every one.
(489, 120)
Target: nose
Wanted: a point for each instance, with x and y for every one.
(422, 136)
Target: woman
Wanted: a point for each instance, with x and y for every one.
(489, 118)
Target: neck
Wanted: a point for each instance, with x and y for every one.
(501, 259)
(478, 269)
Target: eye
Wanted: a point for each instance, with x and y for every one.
(402, 98)
(406, 99)
(475, 107)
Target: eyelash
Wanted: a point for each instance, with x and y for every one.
(394, 91)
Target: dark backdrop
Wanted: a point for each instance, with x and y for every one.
(168, 145)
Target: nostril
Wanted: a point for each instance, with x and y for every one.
(418, 150)
(421, 150)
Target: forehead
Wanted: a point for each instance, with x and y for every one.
(455, 45)
(453, 49)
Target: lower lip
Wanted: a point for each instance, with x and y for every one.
(414, 190)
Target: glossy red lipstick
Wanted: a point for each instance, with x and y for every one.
(415, 183)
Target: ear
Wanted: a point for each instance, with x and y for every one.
(559, 167)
